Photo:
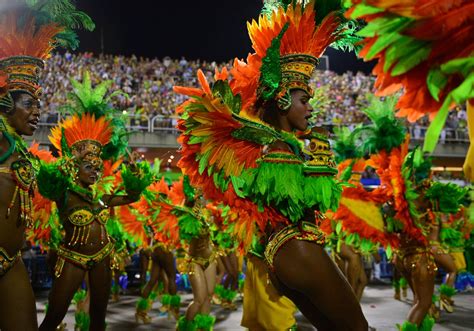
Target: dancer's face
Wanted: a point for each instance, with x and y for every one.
(88, 173)
(300, 110)
(25, 115)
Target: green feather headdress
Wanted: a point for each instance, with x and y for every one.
(344, 145)
(418, 165)
(86, 99)
(446, 198)
(286, 62)
(385, 132)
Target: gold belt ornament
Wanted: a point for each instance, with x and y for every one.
(86, 262)
(304, 231)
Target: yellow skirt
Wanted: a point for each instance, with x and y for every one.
(459, 260)
(264, 308)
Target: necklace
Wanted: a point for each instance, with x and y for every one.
(87, 195)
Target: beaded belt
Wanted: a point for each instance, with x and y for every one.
(304, 231)
(83, 261)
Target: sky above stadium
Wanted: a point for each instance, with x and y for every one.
(206, 30)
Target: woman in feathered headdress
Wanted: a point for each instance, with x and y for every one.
(163, 240)
(239, 145)
(399, 227)
(184, 212)
(84, 209)
(28, 34)
(444, 199)
(348, 249)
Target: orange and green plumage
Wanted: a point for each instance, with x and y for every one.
(30, 40)
(424, 46)
(303, 35)
(80, 128)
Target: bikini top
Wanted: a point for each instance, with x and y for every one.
(83, 216)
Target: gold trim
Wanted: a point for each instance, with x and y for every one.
(304, 231)
(86, 262)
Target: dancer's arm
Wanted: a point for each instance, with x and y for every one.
(136, 179)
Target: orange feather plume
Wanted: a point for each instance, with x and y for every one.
(132, 225)
(30, 41)
(447, 29)
(76, 129)
(303, 36)
(41, 154)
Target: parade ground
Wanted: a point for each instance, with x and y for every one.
(381, 310)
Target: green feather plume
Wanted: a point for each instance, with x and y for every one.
(222, 90)
(451, 237)
(139, 179)
(407, 326)
(277, 184)
(52, 183)
(175, 301)
(403, 282)
(322, 193)
(86, 99)
(116, 231)
(270, 71)
(344, 146)
(427, 323)
(229, 295)
(66, 151)
(447, 290)
(189, 191)
(418, 165)
(204, 322)
(118, 143)
(82, 321)
(446, 198)
(63, 13)
(186, 325)
(143, 304)
(166, 299)
(79, 296)
(189, 226)
(386, 131)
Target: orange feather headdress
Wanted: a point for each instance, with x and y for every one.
(22, 54)
(28, 35)
(288, 42)
(82, 136)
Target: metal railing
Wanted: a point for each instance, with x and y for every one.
(167, 125)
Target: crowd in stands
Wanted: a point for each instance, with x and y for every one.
(149, 86)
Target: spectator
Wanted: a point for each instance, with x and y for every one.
(149, 84)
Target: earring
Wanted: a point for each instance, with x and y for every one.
(284, 101)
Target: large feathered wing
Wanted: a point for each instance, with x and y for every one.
(46, 230)
(216, 148)
(133, 226)
(360, 212)
(424, 46)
